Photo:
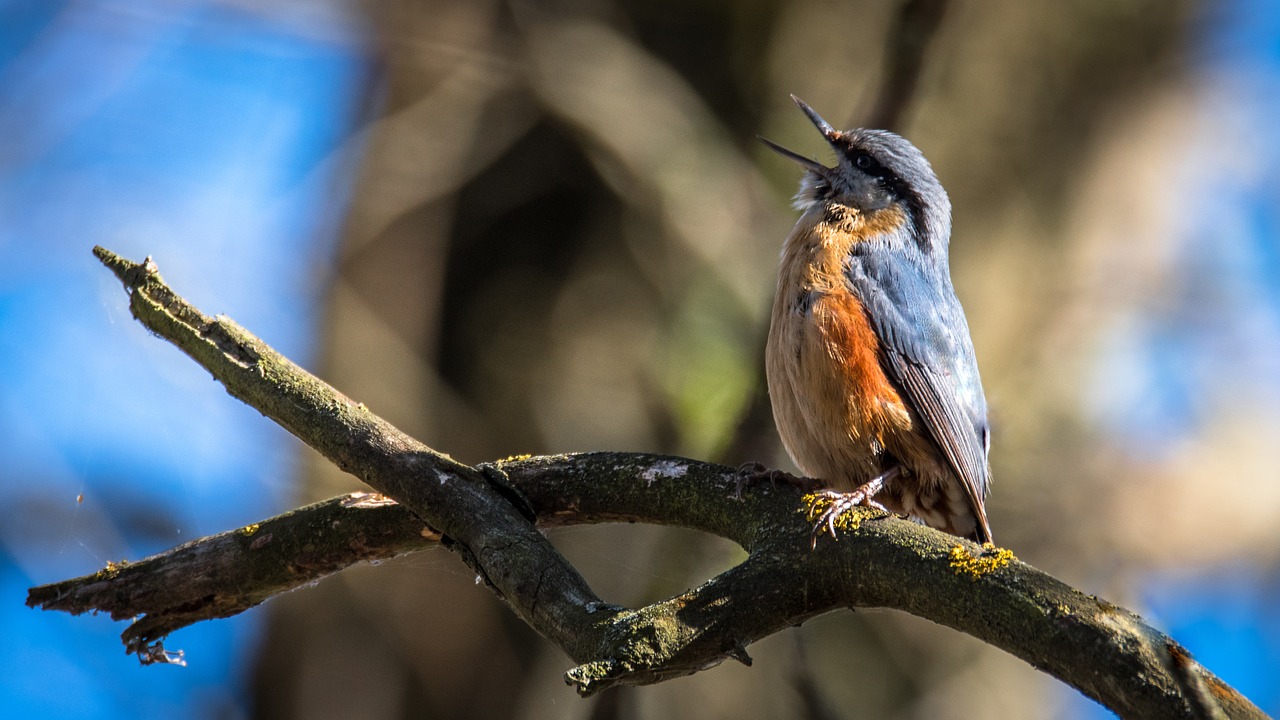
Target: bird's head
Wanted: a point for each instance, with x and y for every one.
(874, 169)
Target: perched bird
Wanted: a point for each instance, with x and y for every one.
(872, 375)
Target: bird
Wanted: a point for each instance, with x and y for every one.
(871, 370)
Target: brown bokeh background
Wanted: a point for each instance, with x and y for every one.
(563, 237)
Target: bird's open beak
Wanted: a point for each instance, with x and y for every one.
(824, 127)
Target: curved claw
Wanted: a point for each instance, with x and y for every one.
(750, 473)
(841, 503)
(844, 502)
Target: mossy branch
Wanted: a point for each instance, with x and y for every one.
(1105, 651)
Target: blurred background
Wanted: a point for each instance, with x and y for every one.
(528, 227)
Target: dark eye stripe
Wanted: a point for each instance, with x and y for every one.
(869, 165)
(888, 179)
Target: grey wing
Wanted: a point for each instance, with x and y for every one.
(926, 351)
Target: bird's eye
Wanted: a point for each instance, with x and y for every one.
(863, 161)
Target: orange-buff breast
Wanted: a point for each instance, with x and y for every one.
(854, 351)
(832, 401)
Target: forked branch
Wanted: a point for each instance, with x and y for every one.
(484, 513)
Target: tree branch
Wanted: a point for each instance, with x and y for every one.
(457, 500)
(1105, 651)
(225, 574)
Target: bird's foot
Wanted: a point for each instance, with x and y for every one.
(843, 502)
(750, 473)
(840, 503)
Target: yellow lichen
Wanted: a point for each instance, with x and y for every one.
(514, 458)
(816, 505)
(249, 529)
(992, 558)
(112, 568)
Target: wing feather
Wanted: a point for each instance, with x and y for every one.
(926, 351)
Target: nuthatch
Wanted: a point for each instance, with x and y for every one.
(872, 375)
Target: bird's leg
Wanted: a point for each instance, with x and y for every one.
(754, 472)
(842, 502)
